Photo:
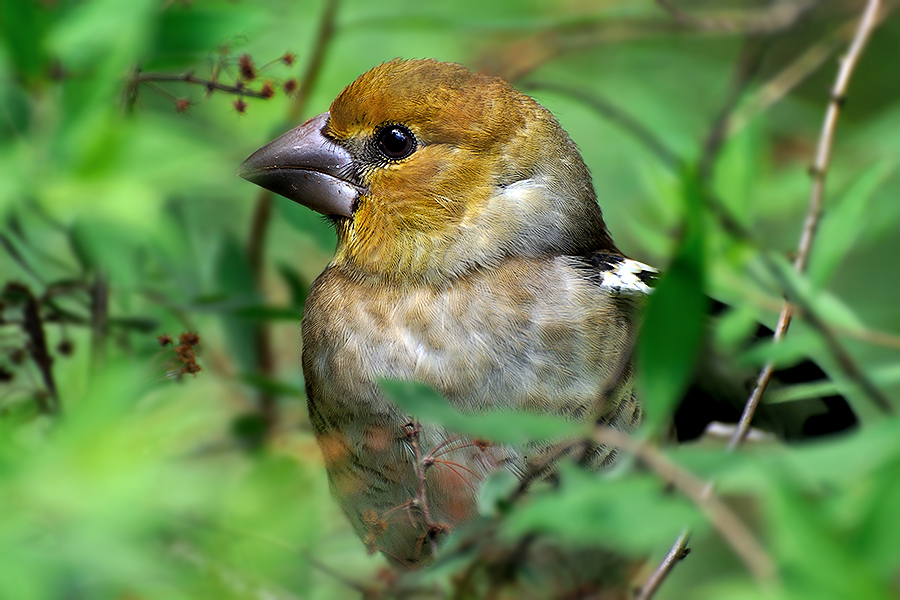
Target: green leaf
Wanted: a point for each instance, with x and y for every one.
(840, 228)
(308, 222)
(298, 286)
(236, 282)
(631, 514)
(676, 313)
(273, 386)
(886, 375)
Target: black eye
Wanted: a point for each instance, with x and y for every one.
(395, 141)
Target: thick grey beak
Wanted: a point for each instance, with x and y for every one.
(306, 167)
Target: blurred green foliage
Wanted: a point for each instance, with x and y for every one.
(122, 220)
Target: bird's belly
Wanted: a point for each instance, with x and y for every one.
(402, 483)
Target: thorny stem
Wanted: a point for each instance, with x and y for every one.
(814, 211)
(210, 84)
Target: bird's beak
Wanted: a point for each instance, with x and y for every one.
(306, 167)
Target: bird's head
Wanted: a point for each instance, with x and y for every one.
(429, 170)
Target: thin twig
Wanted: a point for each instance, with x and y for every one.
(867, 22)
(421, 499)
(239, 88)
(845, 360)
(814, 211)
(678, 551)
(776, 17)
(99, 321)
(33, 327)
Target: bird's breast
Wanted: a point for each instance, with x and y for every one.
(533, 335)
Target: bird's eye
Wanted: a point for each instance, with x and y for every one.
(395, 141)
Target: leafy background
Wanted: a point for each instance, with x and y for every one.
(122, 220)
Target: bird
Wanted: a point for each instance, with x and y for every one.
(473, 258)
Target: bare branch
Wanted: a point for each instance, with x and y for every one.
(210, 85)
(814, 212)
(678, 551)
(778, 16)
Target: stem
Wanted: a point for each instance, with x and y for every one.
(816, 199)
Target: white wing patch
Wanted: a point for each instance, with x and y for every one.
(627, 275)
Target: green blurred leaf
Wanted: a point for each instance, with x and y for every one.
(835, 240)
(299, 288)
(109, 249)
(886, 376)
(236, 283)
(307, 222)
(21, 24)
(631, 514)
(674, 323)
(273, 386)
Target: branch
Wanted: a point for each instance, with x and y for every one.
(238, 89)
(33, 327)
(814, 211)
(779, 16)
(678, 551)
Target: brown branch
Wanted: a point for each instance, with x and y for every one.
(677, 553)
(99, 321)
(420, 501)
(845, 361)
(814, 211)
(239, 89)
(777, 17)
(262, 214)
(723, 519)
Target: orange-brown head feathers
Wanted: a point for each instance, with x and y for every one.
(445, 102)
(449, 170)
